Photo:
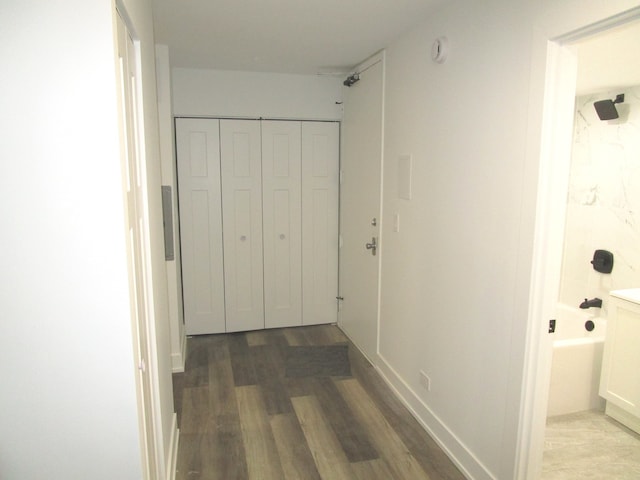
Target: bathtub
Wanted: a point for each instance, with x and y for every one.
(577, 359)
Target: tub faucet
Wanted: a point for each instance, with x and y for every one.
(594, 302)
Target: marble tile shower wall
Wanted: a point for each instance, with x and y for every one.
(603, 209)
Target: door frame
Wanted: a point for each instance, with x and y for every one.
(553, 182)
(139, 259)
(222, 118)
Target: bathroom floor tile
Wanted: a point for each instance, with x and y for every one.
(590, 445)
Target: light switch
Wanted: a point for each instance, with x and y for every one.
(396, 222)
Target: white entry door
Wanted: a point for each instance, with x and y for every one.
(198, 152)
(360, 208)
(240, 157)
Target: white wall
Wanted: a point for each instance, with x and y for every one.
(604, 199)
(464, 253)
(198, 92)
(454, 316)
(69, 394)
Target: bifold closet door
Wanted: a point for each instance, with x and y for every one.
(240, 149)
(198, 152)
(281, 210)
(320, 184)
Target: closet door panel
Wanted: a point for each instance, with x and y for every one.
(242, 224)
(320, 186)
(281, 170)
(198, 156)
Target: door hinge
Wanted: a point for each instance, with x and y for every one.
(552, 326)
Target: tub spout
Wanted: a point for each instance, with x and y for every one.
(594, 302)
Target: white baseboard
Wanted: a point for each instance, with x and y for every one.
(178, 359)
(172, 460)
(455, 449)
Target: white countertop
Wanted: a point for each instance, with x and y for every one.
(630, 294)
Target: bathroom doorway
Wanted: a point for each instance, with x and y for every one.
(604, 210)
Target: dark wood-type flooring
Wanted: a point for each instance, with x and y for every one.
(241, 417)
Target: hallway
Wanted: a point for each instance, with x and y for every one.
(248, 410)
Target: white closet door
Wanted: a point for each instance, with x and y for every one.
(242, 223)
(320, 185)
(198, 151)
(281, 221)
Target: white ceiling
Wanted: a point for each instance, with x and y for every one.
(326, 36)
(609, 60)
(285, 36)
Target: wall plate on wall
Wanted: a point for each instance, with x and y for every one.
(440, 50)
(404, 176)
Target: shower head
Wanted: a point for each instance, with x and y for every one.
(606, 109)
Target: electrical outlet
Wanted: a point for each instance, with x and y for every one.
(425, 381)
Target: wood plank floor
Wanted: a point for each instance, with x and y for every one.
(242, 418)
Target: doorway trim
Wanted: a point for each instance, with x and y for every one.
(155, 462)
(553, 181)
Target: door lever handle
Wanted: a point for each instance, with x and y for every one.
(372, 246)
